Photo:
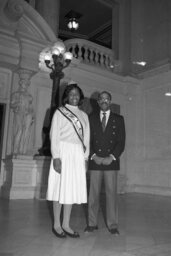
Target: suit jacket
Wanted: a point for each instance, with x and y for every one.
(111, 141)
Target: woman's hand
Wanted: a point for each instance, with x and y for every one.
(57, 164)
(86, 165)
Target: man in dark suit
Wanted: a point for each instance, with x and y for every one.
(107, 142)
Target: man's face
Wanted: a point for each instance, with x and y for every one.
(104, 101)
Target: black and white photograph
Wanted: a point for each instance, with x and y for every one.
(85, 127)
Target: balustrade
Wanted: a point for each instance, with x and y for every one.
(91, 53)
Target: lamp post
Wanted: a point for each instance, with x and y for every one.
(56, 59)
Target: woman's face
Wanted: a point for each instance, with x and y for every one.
(74, 97)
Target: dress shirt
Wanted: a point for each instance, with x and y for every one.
(107, 115)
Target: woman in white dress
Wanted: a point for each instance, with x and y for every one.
(69, 135)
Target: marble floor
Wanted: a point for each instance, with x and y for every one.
(144, 223)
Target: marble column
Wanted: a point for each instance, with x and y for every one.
(115, 29)
(137, 34)
(125, 35)
(49, 10)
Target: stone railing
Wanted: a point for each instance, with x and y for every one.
(90, 53)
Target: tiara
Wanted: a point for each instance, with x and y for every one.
(71, 82)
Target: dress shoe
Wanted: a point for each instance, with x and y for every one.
(90, 229)
(59, 235)
(114, 231)
(73, 235)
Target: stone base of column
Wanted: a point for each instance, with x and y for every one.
(25, 177)
(20, 180)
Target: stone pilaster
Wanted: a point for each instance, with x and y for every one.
(49, 10)
(115, 29)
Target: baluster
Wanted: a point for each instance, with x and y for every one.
(80, 52)
(86, 60)
(105, 60)
(101, 59)
(70, 48)
(96, 57)
(74, 50)
(91, 55)
(109, 62)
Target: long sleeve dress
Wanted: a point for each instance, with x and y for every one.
(69, 186)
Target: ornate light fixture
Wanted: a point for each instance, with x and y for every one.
(56, 58)
(73, 24)
(72, 18)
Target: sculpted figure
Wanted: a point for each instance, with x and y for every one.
(22, 106)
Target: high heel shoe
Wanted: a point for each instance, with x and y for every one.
(59, 235)
(73, 235)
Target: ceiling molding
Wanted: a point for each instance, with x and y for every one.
(109, 3)
(71, 34)
(100, 29)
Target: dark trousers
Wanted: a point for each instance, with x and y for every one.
(110, 182)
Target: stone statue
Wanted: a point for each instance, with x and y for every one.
(21, 103)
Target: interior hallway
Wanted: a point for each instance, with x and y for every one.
(145, 229)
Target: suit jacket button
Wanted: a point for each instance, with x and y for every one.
(100, 150)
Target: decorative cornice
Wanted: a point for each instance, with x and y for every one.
(104, 27)
(70, 34)
(153, 71)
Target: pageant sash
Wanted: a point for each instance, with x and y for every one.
(75, 122)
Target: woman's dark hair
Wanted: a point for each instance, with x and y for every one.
(67, 90)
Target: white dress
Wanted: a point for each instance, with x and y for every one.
(69, 187)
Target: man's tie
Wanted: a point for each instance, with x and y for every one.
(104, 121)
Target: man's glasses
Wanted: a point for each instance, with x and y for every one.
(104, 100)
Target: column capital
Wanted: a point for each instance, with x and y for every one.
(25, 74)
(13, 10)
